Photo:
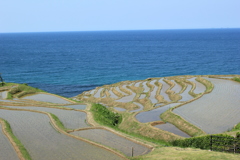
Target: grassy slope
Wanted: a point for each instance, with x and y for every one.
(176, 153)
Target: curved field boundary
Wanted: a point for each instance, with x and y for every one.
(61, 130)
(71, 119)
(10, 138)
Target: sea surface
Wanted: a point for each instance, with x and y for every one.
(68, 63)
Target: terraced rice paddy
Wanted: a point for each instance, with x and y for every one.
(112, 95)
(164, 92)
(43, 142)
(119, 109)
(114, 141)
(78, 106)
(177, 88)
(200, 88)
(165, 86)
(215, 112)
(173, 129)
(70, 119)
(154, 115)
(7, 151)
(140, 103)
(98, 94)
(154, 92)
(47, 98)
(185, 95)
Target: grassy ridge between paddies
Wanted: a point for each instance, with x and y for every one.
(24, 153)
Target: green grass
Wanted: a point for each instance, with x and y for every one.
(177, 153)
(21, 147)
(21, 90)
(236, 79)
(104, 116)
(58, 122)
(236, 128)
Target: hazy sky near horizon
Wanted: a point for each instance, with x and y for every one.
(94, 15)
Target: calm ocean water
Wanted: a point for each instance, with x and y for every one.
(68, 63)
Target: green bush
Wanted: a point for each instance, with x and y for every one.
(104, 116)
(236, 79)
(204, 142)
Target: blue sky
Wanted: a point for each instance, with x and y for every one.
(92, 15)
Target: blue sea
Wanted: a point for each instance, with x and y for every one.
(68, 63)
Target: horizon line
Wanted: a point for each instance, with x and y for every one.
(118, 30)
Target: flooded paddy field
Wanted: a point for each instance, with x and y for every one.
(47, 98)
(145, 87)
(217, 111)
(173, 129)
(70, 119)
(185, 95)
(165, 86)
(127, 98)
(43, 142)
(154, 92)
(154, 115)
(177, 88)
(112, 140)
(77, 106)
(98, 93)
(7, 151)
(119, 109)
(200, 88)
(112, 95)
(123, 93)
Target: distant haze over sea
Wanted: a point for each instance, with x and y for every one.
(68, 63)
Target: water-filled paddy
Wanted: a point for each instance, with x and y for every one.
(77, 106)
(185, 95)
(119, 109)
(112, 95)
(98, 94)
(70, 119)
(118, 89)
(173, 129)
(153, 93)
(112, 140)
(145, 87)
(177, 88)
(43, 142)
(165, 86)
(200, 88)
(154, 115)
(217, 111)
(47, 98)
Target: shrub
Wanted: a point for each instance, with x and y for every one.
(104, 116)
(204, 142)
